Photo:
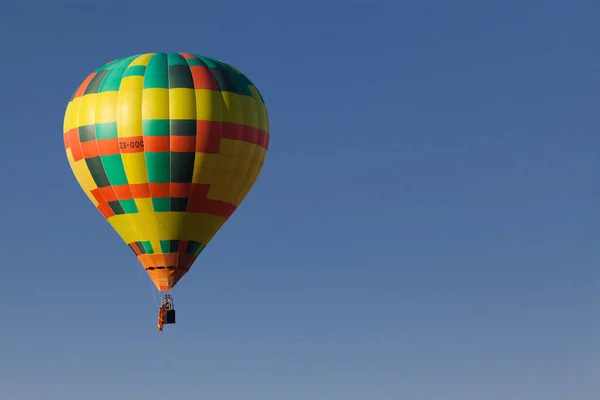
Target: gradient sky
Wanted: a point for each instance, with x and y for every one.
(426, 225)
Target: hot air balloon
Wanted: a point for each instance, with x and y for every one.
(166, 146)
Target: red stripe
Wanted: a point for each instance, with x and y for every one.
(140, 190)
(244, 133)
(183, 144)
(134, 144)
(108, 193)
(158, 190)
(75, 145)
(180, 189)
(156, 143)
(207, 140)
(203, 78)
(195, 193)
(214, 207)
(108, 147)
(122, 192)
(233, 131)
(136, 250)
(90, 149)
(208, 137)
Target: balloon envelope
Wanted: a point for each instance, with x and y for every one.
(166, 146)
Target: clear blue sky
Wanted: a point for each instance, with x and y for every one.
(426, 225)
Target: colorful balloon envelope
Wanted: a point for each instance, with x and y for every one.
(166, 146)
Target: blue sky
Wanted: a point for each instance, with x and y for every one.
(426, 225)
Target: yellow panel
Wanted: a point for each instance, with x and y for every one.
(135, 167)
(250, 110)
(182, 103)
(249, 182)
(124, 225)
(129, 106)
(253, 172)
(268, 121)
(70, 120)
(133, 82)
(147, 225)
(209, 104)
(169, 225)
(148, 221)
(263, 118)
(201, 227)
(238, 181)
(226, 163)
(204, 168)
(255, 93)
(232, 108)
(106, 107)
(230, 147)
(138, 231)
(144, 224)
(222, 175)
(246, 149)
(259, 153)
(155, 104)
(142, 60)
(87, 110)
(261, 111)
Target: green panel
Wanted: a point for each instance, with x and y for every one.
(180, 76)
(183, 127)
(94, 84)
(224, 81)
(182, 167)
(178, 204)
(161, 204)
(176, 59)
(158, 166)
(209, 62)
(156, 127)
(115, 170)
(196, 61)
(140, 247)
(165, 246)
(96, 169)
(116, 207)
(148, 247)
(86, 133)
(157, 72)
(109, 65)
(136, 70)
(129, 206)
(112, 80)
(106, 130)
(239, 82)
